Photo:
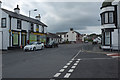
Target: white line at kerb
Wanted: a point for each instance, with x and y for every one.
(57, 74)
(67, 75)
(76, 55)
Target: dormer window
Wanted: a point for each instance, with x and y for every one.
(107, 18)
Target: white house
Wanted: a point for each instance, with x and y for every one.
(16, 29)
(63, 36)
(110, 22)
(70, 36)
(53, 37)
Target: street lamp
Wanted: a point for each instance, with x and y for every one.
(32, 10)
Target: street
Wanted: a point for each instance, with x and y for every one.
(66, 61)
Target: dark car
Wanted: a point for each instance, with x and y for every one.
(52, 44)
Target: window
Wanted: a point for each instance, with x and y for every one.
(107, 38)
(110, 17)
(15, 39)
(67, 35)
(18, 24)
(37, 28)
(32, 29)
(106, 17)
(3, 22)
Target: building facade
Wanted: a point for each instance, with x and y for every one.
(53, 37)
(70, 36)
(110, 25)
(17, 30)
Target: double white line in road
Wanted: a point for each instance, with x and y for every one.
(67, 75)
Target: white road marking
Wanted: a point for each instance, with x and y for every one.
(115, 56)
(76, 55)
(62, 70)
(67, 75)
(68, 63)
(73, 67)
(71, 70)
(65, 66)
(77, 61)
(72, 59)
(57, 74)
(76, 64)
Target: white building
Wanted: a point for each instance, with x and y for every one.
(70, 36)
(110, 21)
(16, 29)
(53, 37)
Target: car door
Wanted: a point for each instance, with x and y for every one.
(39, 45)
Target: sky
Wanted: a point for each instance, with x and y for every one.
(61, 15)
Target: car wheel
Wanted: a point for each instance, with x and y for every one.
(34, 49)
(42, 47)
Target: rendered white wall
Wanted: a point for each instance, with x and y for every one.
(115, 39)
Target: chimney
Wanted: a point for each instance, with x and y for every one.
(71, 29)
(38, 17)
(17, 10)
(0, 3)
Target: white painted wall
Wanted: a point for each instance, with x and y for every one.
(115, 39)
(71, 36)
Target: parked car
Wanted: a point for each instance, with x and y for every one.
(34, 46)
(86, 41)
(52, 44)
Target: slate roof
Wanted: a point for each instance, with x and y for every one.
(22, 17)
(61, 32)
(52, 35)
(107, 3)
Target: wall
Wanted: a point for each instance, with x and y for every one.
(71, 36)
(5, 31)
(115, 39)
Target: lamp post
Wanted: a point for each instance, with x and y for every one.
(31, 10)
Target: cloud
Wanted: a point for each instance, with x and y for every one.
(60, 16)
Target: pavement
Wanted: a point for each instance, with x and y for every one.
(71, 61)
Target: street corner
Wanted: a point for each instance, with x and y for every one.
(113, 55)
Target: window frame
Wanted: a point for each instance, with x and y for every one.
(103, 17)
(20, 24)
(3, 23)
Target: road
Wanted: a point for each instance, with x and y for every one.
(51, 63)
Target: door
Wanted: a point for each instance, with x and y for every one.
(23, 40)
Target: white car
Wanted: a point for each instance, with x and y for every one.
(34, 46)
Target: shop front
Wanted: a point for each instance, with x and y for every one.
(37, 37)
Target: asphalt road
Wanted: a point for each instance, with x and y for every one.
(51, 62)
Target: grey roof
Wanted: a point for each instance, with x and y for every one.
(22, 17)
(107, 3)
(61, 32)
(52, 35)
(77, 32)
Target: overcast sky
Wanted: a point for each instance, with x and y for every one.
(60, 16)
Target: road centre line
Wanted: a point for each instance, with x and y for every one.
(65, 66)
(76, 55)
(57, 75)
(73, 67)
(71, 70)
(62, 70)
(67, 75)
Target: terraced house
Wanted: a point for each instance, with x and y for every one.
(110, 22)
(17, 30)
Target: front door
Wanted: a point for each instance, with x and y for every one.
(23, 40)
